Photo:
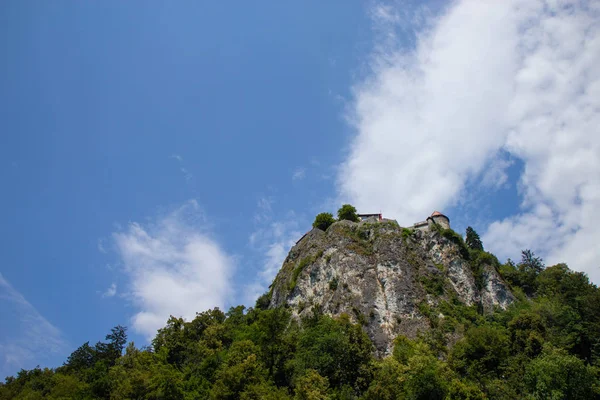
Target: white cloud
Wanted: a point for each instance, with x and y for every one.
(110, 291)
(272, 240)
(101, 248)
(494, 174)
(26, 338)
(264, 211)
(187, 174)
(276, 241)
(174, 268)
(299, 174)
(487, 78)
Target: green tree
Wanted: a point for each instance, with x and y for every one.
(338, 350)
(404, 348)
(347, 212)
(135, 374)
(386, 383)
(264, 391)
(311, 386)
(268, 332)
(66, 387)
(81, 359)
(262, 303)
(425, 377)
(166, 383)
(171, 338)
(241, 370)
(481, 353)
(527, 332)
(531, 263)
(559, 375)
(472, 239)
(528, 270)
(111, 351)
(323, 221)
(464, 390)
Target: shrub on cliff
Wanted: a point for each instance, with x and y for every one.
(347, 212)
(323, 221)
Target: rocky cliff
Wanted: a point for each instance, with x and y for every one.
(385, 277)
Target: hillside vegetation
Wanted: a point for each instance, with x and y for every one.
(544, 345)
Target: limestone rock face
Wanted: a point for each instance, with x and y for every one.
(382, 275)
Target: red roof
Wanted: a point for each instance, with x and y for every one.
(437, 213)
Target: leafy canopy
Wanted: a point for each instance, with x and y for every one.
(545, 346)
(323, 221)
(347, 212)
(472, 239)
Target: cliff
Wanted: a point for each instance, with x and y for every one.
(386, 277)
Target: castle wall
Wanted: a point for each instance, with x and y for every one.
(422, 226)
(441, 221)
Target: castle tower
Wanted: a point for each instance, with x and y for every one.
(440, 219)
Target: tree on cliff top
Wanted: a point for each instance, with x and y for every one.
(473, 241)
(348, 212)
(323, 221)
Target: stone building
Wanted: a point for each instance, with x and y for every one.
(435, 218)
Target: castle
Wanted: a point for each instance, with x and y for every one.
(435, 218)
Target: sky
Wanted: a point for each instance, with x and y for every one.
(161, 158)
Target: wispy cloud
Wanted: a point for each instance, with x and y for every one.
(101, 248)
(186, 173)
(264, 209)
(174, 267)
(272, 239)
(110, 291)
(485, 79)
(188, 176)
(494, 173)
(26, 337)
(299, 174)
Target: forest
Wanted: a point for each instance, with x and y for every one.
(544, 346)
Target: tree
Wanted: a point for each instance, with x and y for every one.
(81, 359)
(240, 371)
(425, 377)
(527, 332)
(530, 263)
(464, 390)
(559, 375)
(311, 386)
(528, 270)
(262, 303)
(473, 241)
(347, 212)
(404, 348)
(385, 385)
(323, 221)
(481, 352)
(337, 349)
(268, 332)
(111, 351)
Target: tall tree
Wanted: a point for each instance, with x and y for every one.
(473, 241)
(528, 269)
(82, 358)
(531, 263)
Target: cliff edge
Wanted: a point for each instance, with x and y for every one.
(386, 277)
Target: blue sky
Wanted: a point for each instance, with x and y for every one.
(161, 158)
